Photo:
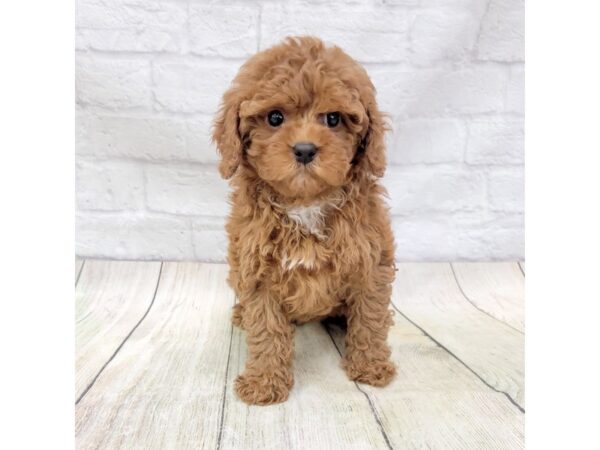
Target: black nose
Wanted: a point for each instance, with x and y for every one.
(305, 152)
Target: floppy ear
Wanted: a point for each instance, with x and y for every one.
(226, 134)
(373, 145)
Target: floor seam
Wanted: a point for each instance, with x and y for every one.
(85, 391)
(224, 395)
(373, 410)
(506, 394)
(79, 273)
(477, 307)
(521, 268)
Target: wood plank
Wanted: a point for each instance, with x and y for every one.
(497, 288)
(325, 410)
(110, 298)
(435, 402)
(164, 387)
(429, 296)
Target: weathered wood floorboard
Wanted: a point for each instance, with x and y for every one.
(435, 402)
(495, 288)
(428, 295)
(110, 298)
(167, 381)
(164, 387)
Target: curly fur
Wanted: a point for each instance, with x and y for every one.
(306, 242)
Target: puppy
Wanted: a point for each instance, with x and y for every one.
(301, 138)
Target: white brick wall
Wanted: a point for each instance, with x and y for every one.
(150, 73)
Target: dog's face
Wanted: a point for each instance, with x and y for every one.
(301, 116)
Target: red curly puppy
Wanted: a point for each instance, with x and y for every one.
(309, 233)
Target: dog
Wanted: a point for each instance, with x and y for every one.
(301, 139)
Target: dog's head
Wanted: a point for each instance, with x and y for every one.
(302, 116)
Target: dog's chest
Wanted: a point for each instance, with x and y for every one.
(310, 218)
(307, 253)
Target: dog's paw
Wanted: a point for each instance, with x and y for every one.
(258, 389)
(236, 315)
(375, 373)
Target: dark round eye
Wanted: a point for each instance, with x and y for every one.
(332, 119)
(275, 118)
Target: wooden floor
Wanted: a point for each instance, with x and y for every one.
(157, 355)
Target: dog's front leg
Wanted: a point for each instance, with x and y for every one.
(367, 358)
(268, 375)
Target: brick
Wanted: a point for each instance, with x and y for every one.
(418, 189)
(449, 72)
(112, 83)
(134, 25)
(151, 138)
(504, 244)
(190, 190)
(515, 93)
(443, 35)
(426, 141)
(506, 190)
(437, 237)
(132, 236)
(502, 36)
(109, 186)
(347, 27)
(191, 86)
(495, 140)
(458, 236)
(210, 239)
(229, 31)
(427, 92)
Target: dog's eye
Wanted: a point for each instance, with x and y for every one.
(275, 118)
(332, 119)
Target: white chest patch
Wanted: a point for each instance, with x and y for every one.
(311, 218)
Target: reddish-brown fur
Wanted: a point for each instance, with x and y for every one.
(282, 271)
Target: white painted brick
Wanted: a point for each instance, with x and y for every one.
(223, 30)
(495, 140)
(503, 244)
(191, 86)
(458, 236)
(210, 239)
(132, 25)
(515, 95)
(437, 238)
(113, 83)
(109, 186)
(443, 35)
(152, 138)
(366, 34)
(503, 31)
(416, 189)
(150, 76)
(426, 141)
(401, 2)
(188, 190)
(507, 189)
(132, 236)
(441, 91)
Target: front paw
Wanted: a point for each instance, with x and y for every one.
(375, 373)
(261, 389)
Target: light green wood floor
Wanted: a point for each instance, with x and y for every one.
(156, 356)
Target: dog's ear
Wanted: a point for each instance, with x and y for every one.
(226, 133)
(373, 144)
